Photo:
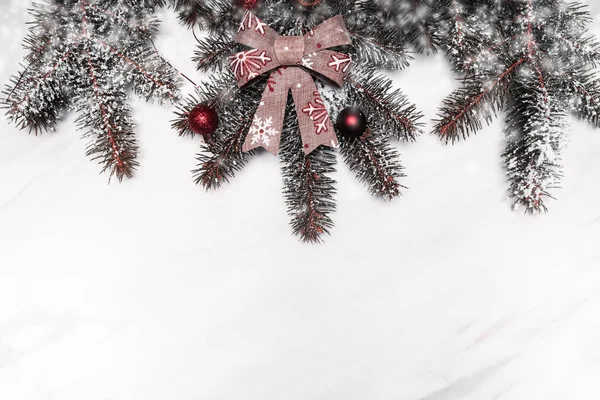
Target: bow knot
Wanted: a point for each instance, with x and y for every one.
(290, 60)
(289, 50)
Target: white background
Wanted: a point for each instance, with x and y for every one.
(154, 289)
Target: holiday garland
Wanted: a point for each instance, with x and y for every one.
(83, 55)
(533, 59)
(308, 186)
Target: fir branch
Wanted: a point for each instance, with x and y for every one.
(308, 189)
(83, 55)
(475, 101)
(585, 47)
(212, 53)
(378, 36)
(222, 156)
(586, 88)
(35, 102)
(486, 56)
(219, 162)
(534, 129)
(420, 26)
(375, 163)
(385, 50)
(114, 144)
(191, 11)
(459, 29)
(213, 15)
(547, 56)
(390, 109)
(156, 80)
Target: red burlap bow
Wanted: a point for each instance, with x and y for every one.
(289, 59)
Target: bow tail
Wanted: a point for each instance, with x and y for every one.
(267, 124)
(313, 119)
(316, 128)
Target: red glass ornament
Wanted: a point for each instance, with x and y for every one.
(351, 122)
(203, 120)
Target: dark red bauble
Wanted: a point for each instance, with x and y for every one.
(352, 122)
(203, 120)
(247, 4)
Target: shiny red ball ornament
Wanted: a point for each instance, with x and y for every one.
(351, 122)
(248, 4)
(203, 120)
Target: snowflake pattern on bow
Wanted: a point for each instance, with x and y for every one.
(251, 20)
(340, 62)
(318, 113)
(262, 130)
(307, 61)
(249, 61)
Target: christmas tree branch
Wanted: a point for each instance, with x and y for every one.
(375, 163)
(149, 79)
(587, 91)
(35, 100)
(586, 48)
(534, 126)
(83, 55)
(387, 50)
(465, 108)
(219, 162)
(222, 156)
(212, 53)
(213, 15)
(309, 192)
(458, 27)
(374, 94)
(487, 56)
(108, 121)
(421, 29)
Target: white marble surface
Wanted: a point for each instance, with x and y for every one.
(154, 289)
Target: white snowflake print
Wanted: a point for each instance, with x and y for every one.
(249, 62)
(318, 113)
(342, 62)
(262, 130)
(251, 20)
(307, 61)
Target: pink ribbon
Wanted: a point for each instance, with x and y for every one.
(289, 59)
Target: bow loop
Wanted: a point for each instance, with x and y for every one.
(290, 60)
(329, 34)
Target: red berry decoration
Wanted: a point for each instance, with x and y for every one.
(352, 122)
(203, 120)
